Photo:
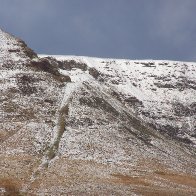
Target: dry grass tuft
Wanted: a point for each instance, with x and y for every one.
(11, 187)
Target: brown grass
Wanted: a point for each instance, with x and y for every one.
(178, 178)
(125, 179)
(11, 187)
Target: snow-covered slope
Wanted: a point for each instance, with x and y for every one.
(85, 126)
(162, 93)
(13, 49)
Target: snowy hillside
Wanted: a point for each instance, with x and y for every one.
(84, 126)
(160, 92)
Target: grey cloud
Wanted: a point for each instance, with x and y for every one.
(175, 19)
(139, 29)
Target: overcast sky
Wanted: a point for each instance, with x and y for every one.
(133, 29)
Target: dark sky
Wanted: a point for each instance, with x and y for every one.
(134, 29)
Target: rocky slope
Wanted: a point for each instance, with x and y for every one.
(85, 126)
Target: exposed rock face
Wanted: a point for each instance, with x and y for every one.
(86, 126)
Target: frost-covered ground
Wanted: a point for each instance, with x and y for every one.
(164, 92)
(83, 126)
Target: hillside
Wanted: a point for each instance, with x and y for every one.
(84, 126)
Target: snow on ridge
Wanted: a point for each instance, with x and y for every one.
(80, 58)
(11, 49)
